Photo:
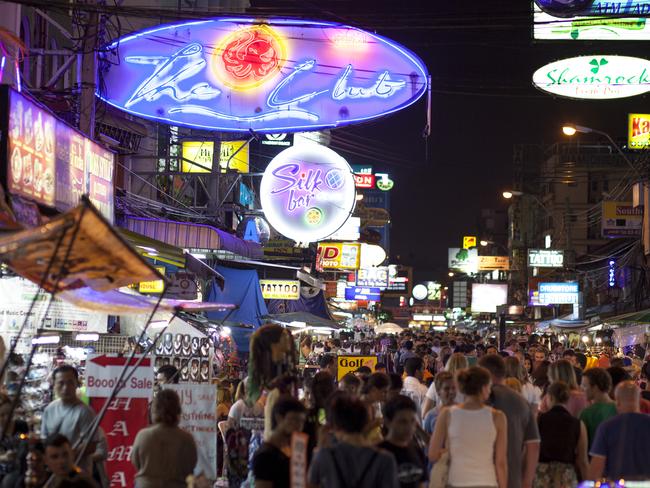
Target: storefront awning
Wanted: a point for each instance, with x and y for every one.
(309, 319)
(187, 235)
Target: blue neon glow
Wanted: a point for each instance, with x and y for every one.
(611, 278)
(327, 75)
(569, 8)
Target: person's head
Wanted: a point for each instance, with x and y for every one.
(380, 368)
(240, 392)
(288, 415)
(495, 366)
(376, 387)
(350, 384)
(408, 345)
(348, 415)
(363, 371)
(166, 408)
(475, 382)
(446, 387)
(559, 392)
(327, 362)
(628, 397)
(562, 370)
(456, 362)
(491, 349)
(66, 382)
(401, 418)
(595, 382)
(59, 457)
(513, 367)
(539, 355)
(618, 375)
(322, 386)
(528, 363)
(396, 385)
(414, 367)
(570, 355)
(167, 374)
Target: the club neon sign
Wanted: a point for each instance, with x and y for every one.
(307, 192)
(277, 76)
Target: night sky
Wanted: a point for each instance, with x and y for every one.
(481, 57)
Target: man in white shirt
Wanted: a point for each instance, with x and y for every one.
(413, 387)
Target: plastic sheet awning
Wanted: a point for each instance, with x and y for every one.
(78, 249)
(309, 319)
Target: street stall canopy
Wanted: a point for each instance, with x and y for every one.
(316, 305)
(388, 328)
(75, 250)
(308, 319)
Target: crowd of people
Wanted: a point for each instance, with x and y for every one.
(438, 411)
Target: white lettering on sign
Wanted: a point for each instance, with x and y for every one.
(541, 258)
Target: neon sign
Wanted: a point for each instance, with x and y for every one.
(611, 275)
(595, 77)
(569, 8)
(307, 192)
(278, 76)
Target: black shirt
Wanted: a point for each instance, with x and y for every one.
(411, 464)
(271, 464)
(560, 432)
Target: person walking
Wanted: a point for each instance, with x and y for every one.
(562, 370)
(563, 445)
(164, 454)
(474, 435)
(597, 383)
(413, 387)
(532, 394)
(456, 363)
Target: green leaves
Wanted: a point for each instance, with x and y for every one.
(597, 64)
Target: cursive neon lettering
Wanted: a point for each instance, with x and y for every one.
(301, 186)
(383, 87)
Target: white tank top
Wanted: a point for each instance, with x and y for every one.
(471, 438)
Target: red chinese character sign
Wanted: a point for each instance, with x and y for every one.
(274, 76)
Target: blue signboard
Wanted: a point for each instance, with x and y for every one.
(269, 76)
(558, 293)
(362, 293)
(376, 199)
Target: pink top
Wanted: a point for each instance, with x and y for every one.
(576, 404)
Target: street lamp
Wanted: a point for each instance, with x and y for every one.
(508, 194)
(450, 274)
(571, 129)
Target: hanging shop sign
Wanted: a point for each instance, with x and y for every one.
(349, 364)
(568, 8)
(487, 297)
(373, 277)
(603, 21)
(280, 289)
(469, 242)
(103, 374)
(282, 139)
(233, 156)
(338, 255)
(558, 293)
(597, 77)
(275, 75)
(638, 134)
(491, 263)
(51, 163)
(383, 182)
(463, 260)
(396, 282)
(197, 156)
(545, 258)
(364, 181)
(157, 286)
(307, 192)
(363, 293)
(611, 273)
(621, 219)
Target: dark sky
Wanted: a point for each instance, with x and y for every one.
(481, 57)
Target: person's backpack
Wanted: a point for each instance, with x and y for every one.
(237, 440)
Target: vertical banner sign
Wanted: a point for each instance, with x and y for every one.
(638, 135)
(299, 460)
(125, 416)
(199, 407)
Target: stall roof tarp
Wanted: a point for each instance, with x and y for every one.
(90, 254)
(316, 305)
(188, 235)
(641, 317)
(242, 288)
(308, 318)
(116, 302)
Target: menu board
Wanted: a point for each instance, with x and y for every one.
(54, 164)
(31, 151)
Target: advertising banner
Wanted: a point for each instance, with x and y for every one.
(17, 295)
(199, 418)
(374, 277)
(464, 260)
(233, 155)
(545, 258)
(558, 293)
(197, 156)
(124, 418)
(362, 293)
(621, 219)
(280, 289)
(491, 263)
(103, 372)
(338, 255)
(349, 364)
(638, 134)
(487, 297)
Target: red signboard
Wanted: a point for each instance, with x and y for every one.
(364, 181)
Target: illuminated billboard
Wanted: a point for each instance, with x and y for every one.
(595, 77)
(338, 255)
(545, 258)
(621, 219)
(463, 260)
(269, 76)
(638, 134)
(487, 297)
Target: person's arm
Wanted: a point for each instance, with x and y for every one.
(135, 452)
(437, 444)
(582, 461)
(598, 454)
(531, 457)
(596, 468)
(430, 399)
(501, 448)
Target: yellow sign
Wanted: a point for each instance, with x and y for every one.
(638, 136)
(338, 255)
(197, 156)
(156, 286)
(621, 219)
(234, 156)
(469, 242)
(349, 364)
(491, 263)
(280, 289)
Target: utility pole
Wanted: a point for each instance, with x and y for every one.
(88, 75)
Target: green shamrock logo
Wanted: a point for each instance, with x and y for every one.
(597, 64)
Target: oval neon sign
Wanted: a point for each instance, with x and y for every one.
(275, 76)
(595, 77)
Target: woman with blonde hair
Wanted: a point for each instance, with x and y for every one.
(562, 370)
(457, 362)
(515, 369)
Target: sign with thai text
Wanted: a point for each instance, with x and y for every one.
(558, 293)
(597, 77)
(307, 192)
(338, 255)
(275, 76)
(545, 258)
(621, 219)
(638, 135)
(280, 289)
(349, 364)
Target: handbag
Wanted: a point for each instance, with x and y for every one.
(440, 472)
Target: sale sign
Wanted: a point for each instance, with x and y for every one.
(103, 373)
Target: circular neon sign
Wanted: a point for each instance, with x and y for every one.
(307, 192)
